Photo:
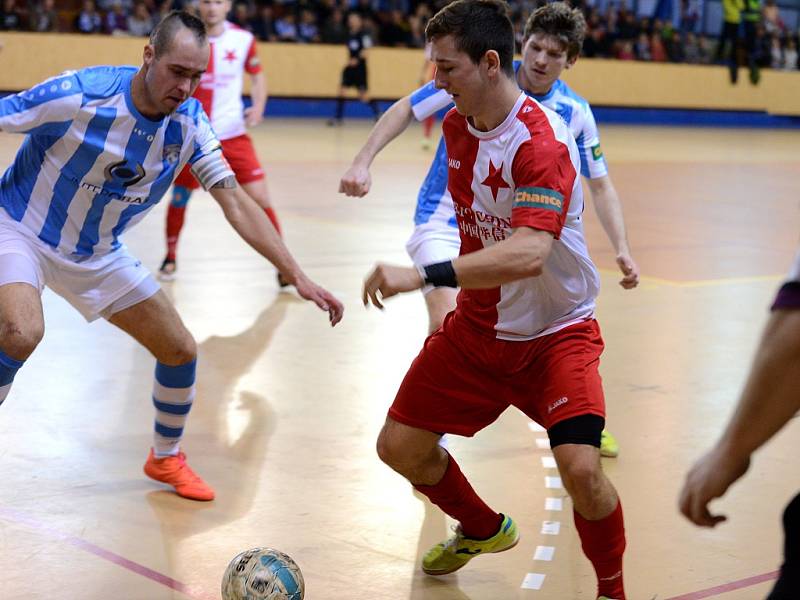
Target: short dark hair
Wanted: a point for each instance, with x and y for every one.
(561, 21)
(477, 26)
(164, 33)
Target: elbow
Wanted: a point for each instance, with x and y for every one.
(534, 268)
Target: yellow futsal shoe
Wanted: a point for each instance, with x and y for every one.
(608, 446)
(451, 555)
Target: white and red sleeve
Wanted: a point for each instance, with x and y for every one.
(252, 64)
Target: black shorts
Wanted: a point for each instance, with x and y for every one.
(355, 76)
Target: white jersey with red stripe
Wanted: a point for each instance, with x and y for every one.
(523, 173)
(220, 91)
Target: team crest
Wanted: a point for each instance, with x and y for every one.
(172, 153)
(597, 152)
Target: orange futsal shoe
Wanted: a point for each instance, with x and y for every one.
(174, 471)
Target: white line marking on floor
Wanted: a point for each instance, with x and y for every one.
(553, 504)
(544, 553)
(551, 527)
(533, 581)
(553, 483)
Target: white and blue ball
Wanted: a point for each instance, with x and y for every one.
(262, 574)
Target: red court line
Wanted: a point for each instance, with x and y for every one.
(728, 587)
(22, 519)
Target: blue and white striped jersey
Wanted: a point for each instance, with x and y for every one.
(428, 100)
(91, 165)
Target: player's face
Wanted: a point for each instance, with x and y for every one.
(174, 76)
(213, 12)
(544, 57)
(458, 75)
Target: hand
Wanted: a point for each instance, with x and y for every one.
(630, 271)
(710, 478)
(252, 117)
(355, 182)
(321, 297)
(386, 281)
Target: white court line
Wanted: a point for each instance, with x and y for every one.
(544, 553)
(553, 483)
(551, 527)
(548, 462)
(543, 443)
(533, 581)
(553, 504)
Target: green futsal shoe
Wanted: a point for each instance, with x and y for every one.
(451, 555)
(608, 448)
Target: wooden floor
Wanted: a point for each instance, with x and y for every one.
(287, 409)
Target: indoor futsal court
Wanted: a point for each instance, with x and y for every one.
(288, 409)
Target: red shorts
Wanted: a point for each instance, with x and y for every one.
(240, 154)
(463, 380)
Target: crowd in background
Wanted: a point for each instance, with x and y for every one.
(615, 32)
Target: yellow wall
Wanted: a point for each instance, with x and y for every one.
(314, 71)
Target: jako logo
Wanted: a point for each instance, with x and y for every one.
(556, 404)
(453, 163)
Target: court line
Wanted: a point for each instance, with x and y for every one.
(727, 587)
(132, 566)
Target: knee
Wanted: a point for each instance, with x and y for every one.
(182, 352)
(582, 480)
(397, 455)
(19, 340)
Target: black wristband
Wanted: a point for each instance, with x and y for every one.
(441, 274)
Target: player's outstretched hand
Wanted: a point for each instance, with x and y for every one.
(630, 271)
(386, 281)
(252, 117)
(710, 478)
(356, 182)
(321, 297)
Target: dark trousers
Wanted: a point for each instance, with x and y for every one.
(788, 585)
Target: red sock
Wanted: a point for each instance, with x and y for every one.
(427, 126)
(273, 218)
(175, 215)
(455, 496)
(603, 544)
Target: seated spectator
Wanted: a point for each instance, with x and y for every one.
(286, 28)
(705, 50)
(89, 20)
(776, 53)
(393, 30)
(625, 50)
(674, 48)
(241, 16)
(264, 25)
(416, 32)
(642, 47)
(44, 17)
(691, 49)
(657, 50)
(11, 18)
(772, 18)
(595, 45)
(790, 55)
(117, 20)
(308, 31)
(140, 23)
(334, 30)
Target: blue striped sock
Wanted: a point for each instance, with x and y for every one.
(173, 393)
(8, 368)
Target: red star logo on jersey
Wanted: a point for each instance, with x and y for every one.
(495, 179)
(230, 55)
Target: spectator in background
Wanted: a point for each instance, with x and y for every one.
(625, 50)
(334, 30)
(690, 16)
(89, 20)
(642, 47)
(354, 74)
(308, 31)
(264, 25)
(393, 30)
(140, 23)
(44, 17)
(11, 18)
(772, 18)
(241, 16)
(117, 20)
(416, 32)
(751, 16)
(776, 53)
(790, 55)
(675, 48)
(286, 28)
(691, 49)
(657, 50)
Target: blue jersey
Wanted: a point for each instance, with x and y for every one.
(91, 165)
(577, 113)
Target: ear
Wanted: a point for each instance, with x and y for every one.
(149, 55)
(492, 59)
(571, 62)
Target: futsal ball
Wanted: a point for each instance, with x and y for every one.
(262, 574)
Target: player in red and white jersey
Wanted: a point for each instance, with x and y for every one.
(523, 333)
(233, 52)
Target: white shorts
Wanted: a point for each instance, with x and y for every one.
(96, 287)
(436, 240)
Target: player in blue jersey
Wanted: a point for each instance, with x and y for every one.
(552, 41)
(103, 145)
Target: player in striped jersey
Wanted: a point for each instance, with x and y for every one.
(523, 332)
(552, 40)
(103, 145)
